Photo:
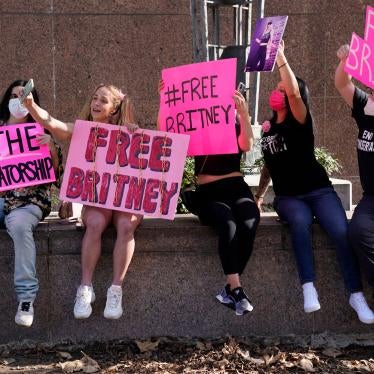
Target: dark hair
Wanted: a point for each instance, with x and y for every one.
(4, 110)
(305, 96)
(270, 23)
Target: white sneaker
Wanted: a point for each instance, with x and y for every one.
(25, 314)
(113, 308)
(85, 297)
(358, 303)
(311, 303)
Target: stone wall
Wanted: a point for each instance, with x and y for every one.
(171, 285)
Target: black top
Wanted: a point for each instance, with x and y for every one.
(219, 164)
(288, 150)
(365, 141)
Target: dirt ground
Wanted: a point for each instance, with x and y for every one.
(172, 355)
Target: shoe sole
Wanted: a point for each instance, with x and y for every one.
(228, 304)
(113, 317)
(311, 310)
(19, 323)
(242, 312)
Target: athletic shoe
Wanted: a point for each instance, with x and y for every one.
(113, 308)
(359, 304)
(25, 314)
(242, 302)
(311, 303)
(225, 297)
(85, 297)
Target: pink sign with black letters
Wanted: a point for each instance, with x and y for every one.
(23, 161)
(138, 172)
(198, 100)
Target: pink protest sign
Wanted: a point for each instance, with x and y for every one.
(23, 161)
(360, 62)
(198, 100)
(109, 167)
(369, 24)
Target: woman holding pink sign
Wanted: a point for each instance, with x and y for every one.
(25, 207)
(303, 190)
(106, 105)
(225, 202)
(361, 228)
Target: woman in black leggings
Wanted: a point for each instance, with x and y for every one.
(226, 203)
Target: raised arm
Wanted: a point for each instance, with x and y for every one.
(343, 81)
(245, 139)
(298, 108)
(60, 130)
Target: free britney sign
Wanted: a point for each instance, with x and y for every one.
(109, 167)
(360, 62)
(23, 161)
(198, 100)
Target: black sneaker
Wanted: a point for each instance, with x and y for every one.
(242, 303)
(225, 297)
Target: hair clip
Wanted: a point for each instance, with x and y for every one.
(121, 95)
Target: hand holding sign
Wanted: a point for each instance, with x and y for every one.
(343, 52)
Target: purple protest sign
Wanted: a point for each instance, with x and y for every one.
(265, 42)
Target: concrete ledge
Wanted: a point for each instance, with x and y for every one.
(342, 187)
(171, 284)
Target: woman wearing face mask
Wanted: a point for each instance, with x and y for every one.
(361, 228)
(107, 104)
(25, 207)
(303, 190)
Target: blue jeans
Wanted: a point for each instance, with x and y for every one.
(2, 215)
(21, 223)
(325, 205)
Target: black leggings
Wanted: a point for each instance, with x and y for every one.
(228, 206)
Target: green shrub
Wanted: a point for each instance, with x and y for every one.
(323, 156)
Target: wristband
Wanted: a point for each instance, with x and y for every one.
(283, 65)
(259, 196)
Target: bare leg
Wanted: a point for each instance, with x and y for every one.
(96, 220)
(125, 224)
(233, 280)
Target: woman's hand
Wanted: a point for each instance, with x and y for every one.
(343, 52)
(259, 200)
(132, 127)
(281, 58)
(28, 101)
(161, 86)
(240, 103)
(44, 139)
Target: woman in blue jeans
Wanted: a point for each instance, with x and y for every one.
(25, 207)
(303, 190)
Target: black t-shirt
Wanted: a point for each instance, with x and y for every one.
(288, 150)
(219, 164)
(365, 141)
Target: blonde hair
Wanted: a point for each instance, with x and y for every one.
(123, 107)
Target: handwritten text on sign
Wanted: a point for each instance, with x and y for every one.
(23, 161)
(197, 100)
(138, 173)
(360, 62)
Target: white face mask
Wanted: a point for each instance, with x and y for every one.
(369, 107)
(16, 109)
